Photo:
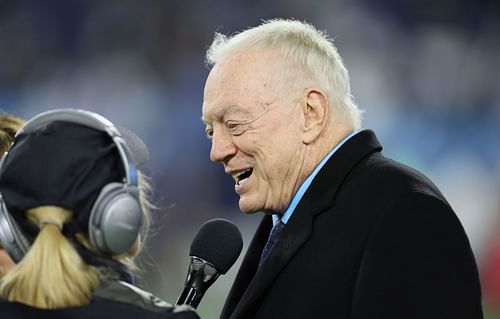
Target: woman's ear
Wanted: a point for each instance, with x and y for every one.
(315, 111)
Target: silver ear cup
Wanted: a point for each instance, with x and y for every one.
(11, 237)
(116, 219)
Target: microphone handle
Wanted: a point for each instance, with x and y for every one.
(201, 275)
(189, 296)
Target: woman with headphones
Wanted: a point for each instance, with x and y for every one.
(73, 215)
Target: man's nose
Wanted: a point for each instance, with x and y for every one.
(223, 147)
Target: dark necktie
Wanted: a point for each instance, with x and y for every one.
(273, 237)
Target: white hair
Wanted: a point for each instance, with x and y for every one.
(303, 44)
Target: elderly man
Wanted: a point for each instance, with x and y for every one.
(347, 232)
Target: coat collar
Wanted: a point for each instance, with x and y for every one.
(316, 200)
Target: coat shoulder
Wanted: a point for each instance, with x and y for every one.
(385, 176)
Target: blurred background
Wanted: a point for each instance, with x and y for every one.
(427, 73)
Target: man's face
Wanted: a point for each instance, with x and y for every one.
(255, 130)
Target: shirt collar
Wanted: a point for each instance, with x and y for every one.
(305, 185)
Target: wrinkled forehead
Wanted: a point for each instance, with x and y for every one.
(247, 69)
(240, 84)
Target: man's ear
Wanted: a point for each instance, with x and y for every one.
(315, 110)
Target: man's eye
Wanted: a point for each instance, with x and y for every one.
(231, 125)
(209, 133)
(236, 129)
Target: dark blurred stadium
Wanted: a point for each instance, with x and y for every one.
(427, 73)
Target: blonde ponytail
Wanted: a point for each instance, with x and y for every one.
(52, 274)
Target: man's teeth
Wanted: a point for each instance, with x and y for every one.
(242, 175)
(236, 175)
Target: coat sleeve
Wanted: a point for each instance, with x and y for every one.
(418, 263)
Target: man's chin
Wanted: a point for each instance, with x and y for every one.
(247, 208)
(248, 211)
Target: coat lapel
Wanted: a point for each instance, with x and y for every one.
(317, 199)
(248, 268)
(289, 242)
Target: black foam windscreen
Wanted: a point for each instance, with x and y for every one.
(219, 242)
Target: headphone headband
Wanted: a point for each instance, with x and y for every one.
(83, 117)
(91, 120)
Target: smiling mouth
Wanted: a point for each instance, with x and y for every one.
(241, 177)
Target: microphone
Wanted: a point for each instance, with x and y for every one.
(214, 250)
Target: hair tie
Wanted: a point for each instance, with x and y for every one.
(51, 222)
